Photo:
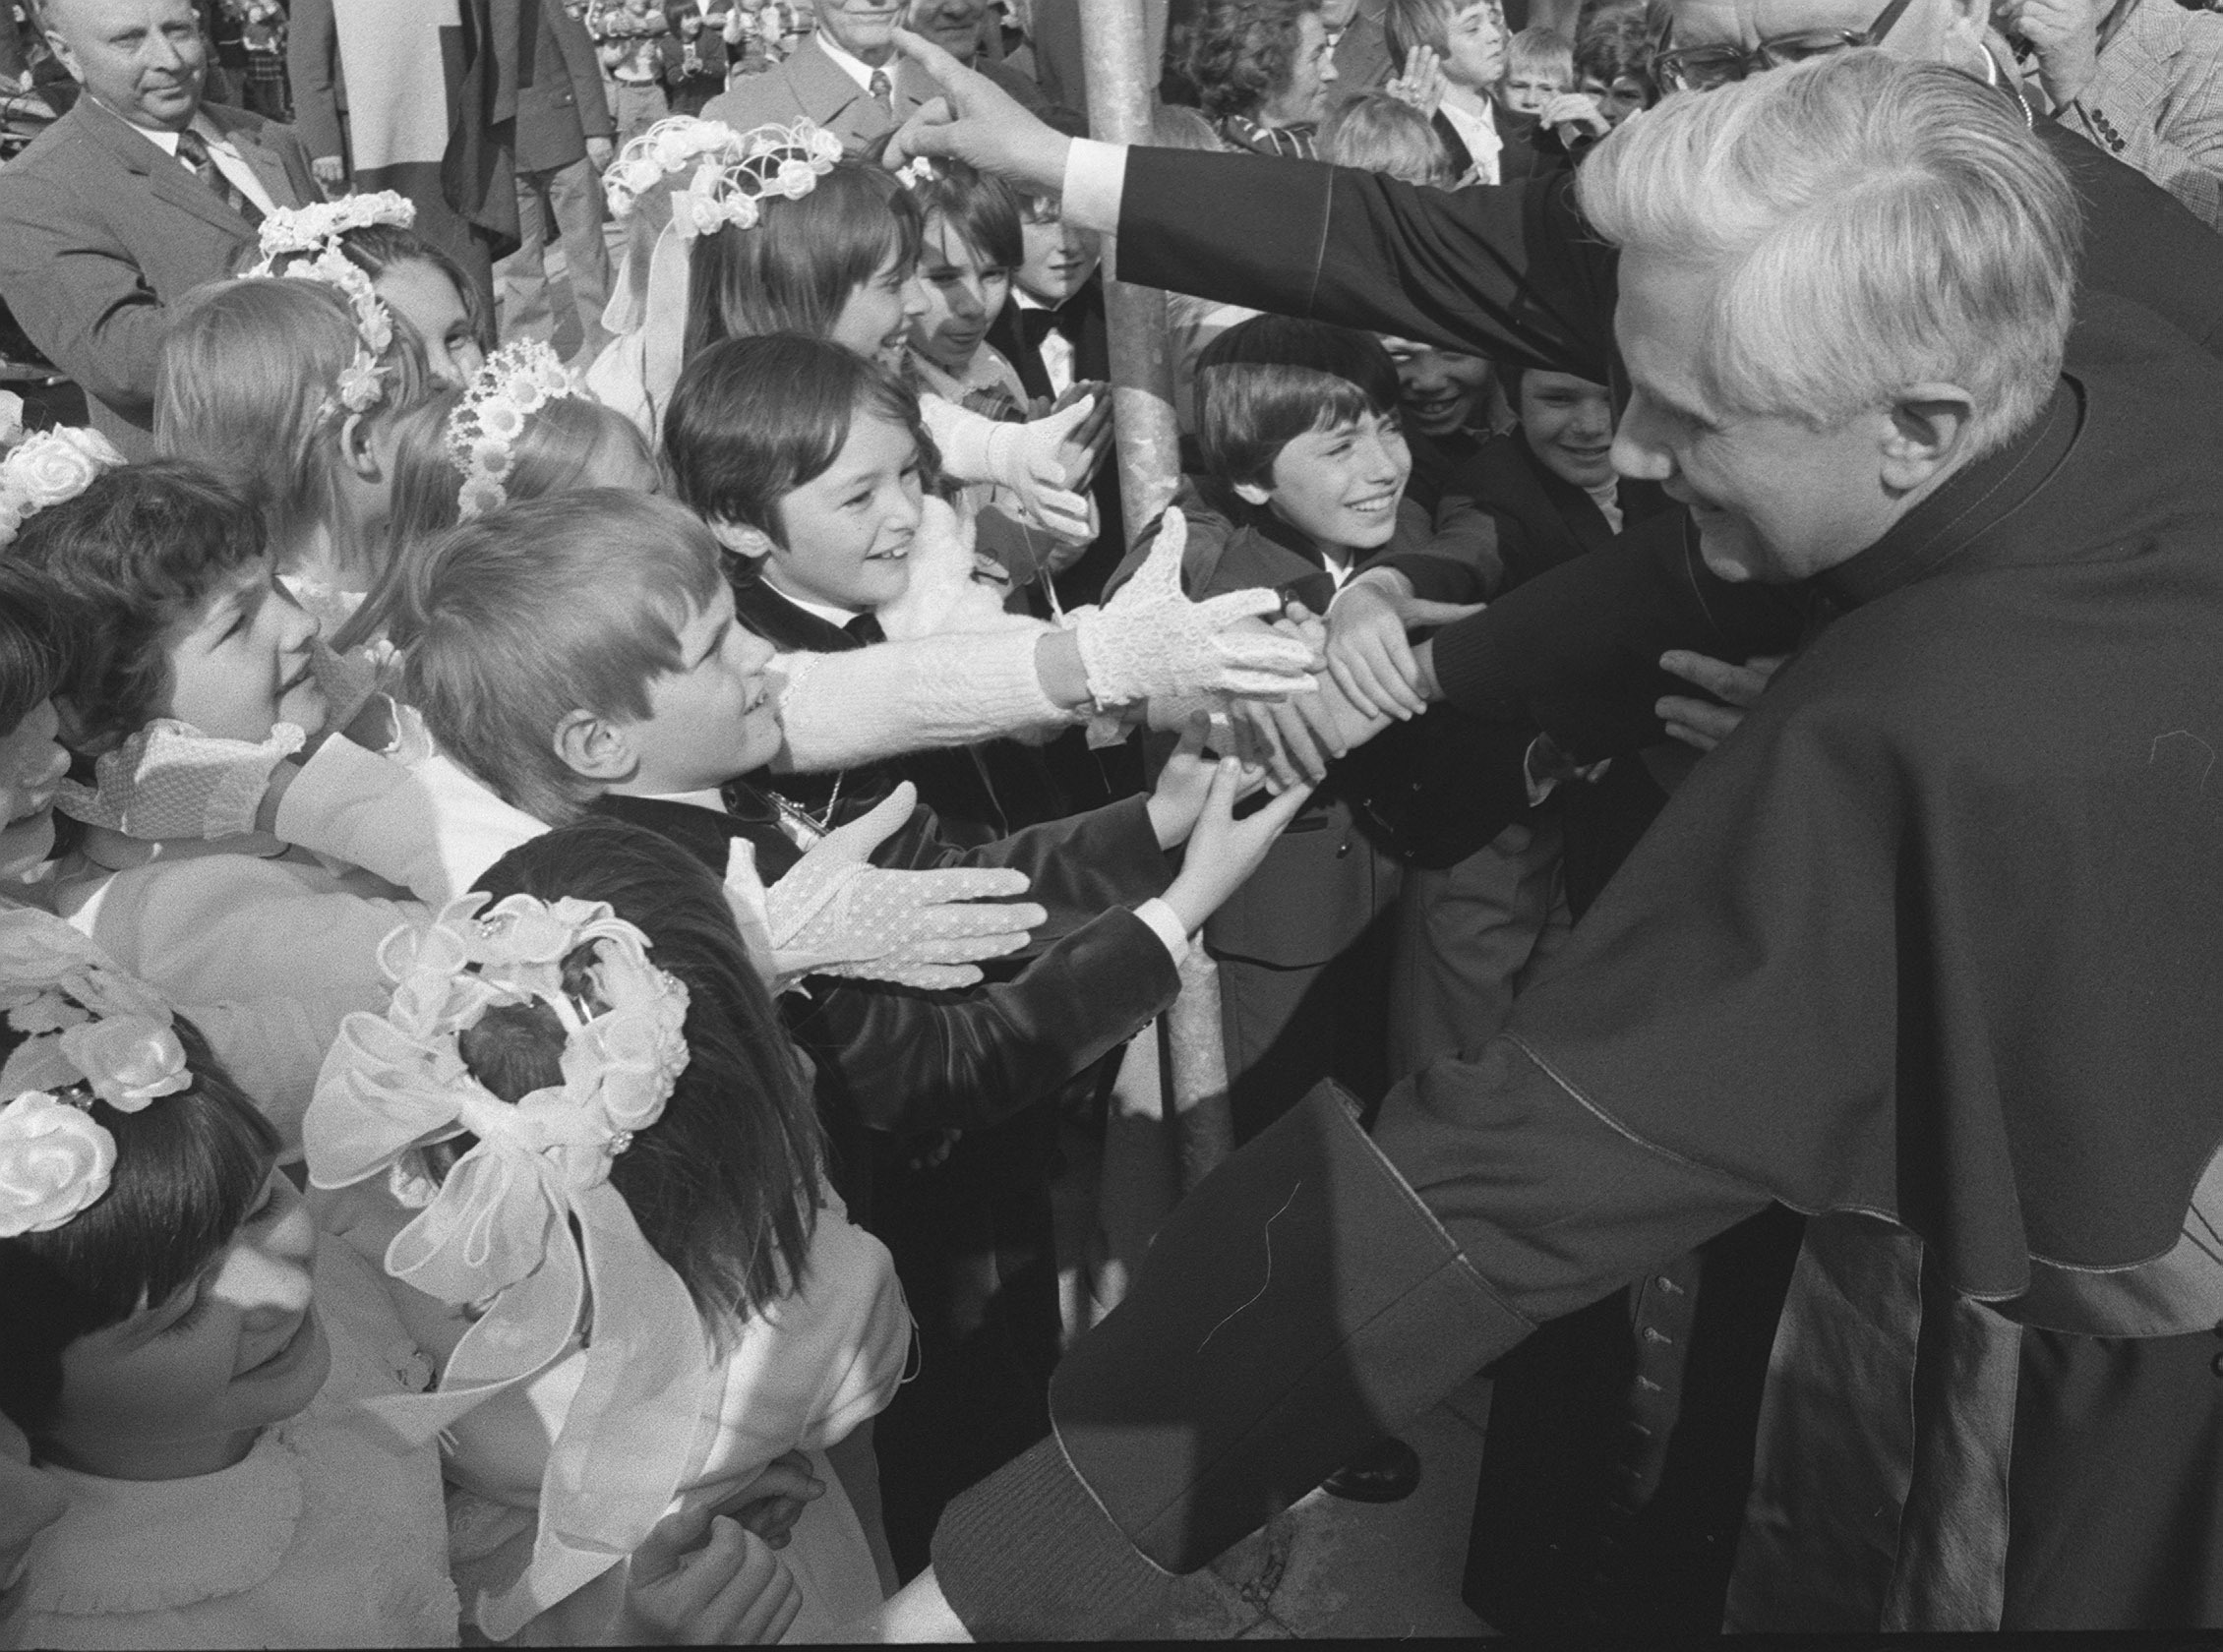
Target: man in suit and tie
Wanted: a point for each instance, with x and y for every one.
(846, 78)
(138, 194)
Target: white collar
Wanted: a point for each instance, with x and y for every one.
(712, 799)
(855, 67)
(166, 140)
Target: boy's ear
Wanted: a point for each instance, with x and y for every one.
(596, 749)
(1250, 493)
(741, 539)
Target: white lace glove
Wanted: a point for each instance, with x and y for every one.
(1149, 640)
(1030, 459)
(835, 914)
(173, 781)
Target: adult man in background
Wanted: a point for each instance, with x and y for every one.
(846, 78)
(138, 194)
(563, 143)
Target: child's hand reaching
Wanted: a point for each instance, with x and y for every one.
(835, 914)
(171, 779)
(1185, 782)
(729, 1591)
(1038, 459)
(768, 1506)
(1222, 852)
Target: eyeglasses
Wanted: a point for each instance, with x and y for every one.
(1702, 68)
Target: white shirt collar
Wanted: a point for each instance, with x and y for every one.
(163, 138)
(831, 613)
(856, 67)
(712, 798)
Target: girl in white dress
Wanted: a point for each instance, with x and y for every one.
(595, 1051)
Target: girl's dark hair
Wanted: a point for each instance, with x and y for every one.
(753, 419)
(374, 249)
(794, 267)
(1615, 44)
(979, 207)
(122, 561)
(1265, 381)
(32, 658)
(189, 1168)
(726, 1184)
(1239, 53)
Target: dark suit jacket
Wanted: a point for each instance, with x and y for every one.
(562, 106)
(898, 1060)
(101, 232)
(811, 85)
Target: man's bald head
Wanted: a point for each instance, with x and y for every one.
(142, 59)
(1947, 31)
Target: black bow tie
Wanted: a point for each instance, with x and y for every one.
(1037, 324)
(866, 629)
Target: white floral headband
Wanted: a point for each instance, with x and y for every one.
(516, 381)
(47, 468)
(306, 241)
(917, 173)
(497, 1228)
(730, 173)
(95, 1033)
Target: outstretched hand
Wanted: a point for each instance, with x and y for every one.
(978, 122)
(1702, 723)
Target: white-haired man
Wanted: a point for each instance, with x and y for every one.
(138, 194)
(1928, 949)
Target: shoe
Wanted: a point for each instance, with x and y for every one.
(1387, 1471)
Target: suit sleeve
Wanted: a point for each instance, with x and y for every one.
(586, 70)
(79, 293)
(1076, 868)
(1315, 1291)
(311, 61)
(1501, 271)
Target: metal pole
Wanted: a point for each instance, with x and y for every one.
(1121, 42)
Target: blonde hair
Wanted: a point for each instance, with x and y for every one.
(562, 440)
(1874, 223)
(1541, 51)
(245, 388)
(1377, 133)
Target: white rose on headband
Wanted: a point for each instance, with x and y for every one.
(54, 465)
(129, 1060)
(54, 1161)
(795, 179)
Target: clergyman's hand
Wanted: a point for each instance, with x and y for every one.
(1702, 723)
(978, 122)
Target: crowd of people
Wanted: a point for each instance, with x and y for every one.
(579, 883)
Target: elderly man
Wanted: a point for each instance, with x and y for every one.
(138, 194)
(846, 78)
(1926, 948)
(959, 27)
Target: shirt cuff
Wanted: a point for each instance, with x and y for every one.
(1096, 178)
(1166, 925)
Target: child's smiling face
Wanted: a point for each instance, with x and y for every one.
(240, 661)
(1340, 485)
(849, 529)
(716, 717)
(876, 318)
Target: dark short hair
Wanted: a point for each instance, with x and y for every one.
(374, 249)
(793, 269)
(1613, 45)
(123, 561)
(1266, 382)
(1239, 53)
(753, 419)
(979, 207)
(726, 1184)
(32, 653)
(189, 1168)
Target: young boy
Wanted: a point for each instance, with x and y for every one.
(582, 653)
(1467, 37)
(1540, 66)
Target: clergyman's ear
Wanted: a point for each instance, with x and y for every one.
(596, 749)
(1929, 433)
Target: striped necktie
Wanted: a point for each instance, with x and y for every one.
(193, 150)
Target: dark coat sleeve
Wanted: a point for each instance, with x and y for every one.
(585, 71)
(1501, 271)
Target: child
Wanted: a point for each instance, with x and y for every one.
(778, 232)
(1466, 37)
(720, 1282)
(700, 36)
(1540, 66)
(972, 248)
(276, 385)
(625, 34)
(1378, 133)
(1614, 64)
(194, 1373)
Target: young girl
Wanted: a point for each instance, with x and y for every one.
(777, 231)
(198, 1377)
(596, 1045)
(293, 391)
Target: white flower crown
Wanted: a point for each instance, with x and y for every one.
(305, 240)
(730, 172)
(516, 381)
(917, 172)
(95, 1033)
(48, 467)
